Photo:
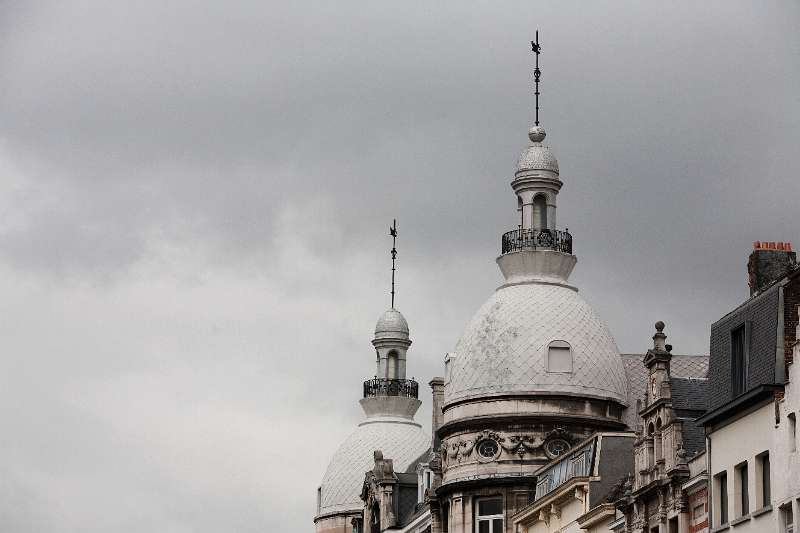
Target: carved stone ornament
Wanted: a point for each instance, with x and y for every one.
(522, 444)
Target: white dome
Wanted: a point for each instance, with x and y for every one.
(391, 325)
(537, 156)
(504, 348)
(402, 441)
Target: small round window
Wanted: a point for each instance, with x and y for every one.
(556, 447)
(487, 449)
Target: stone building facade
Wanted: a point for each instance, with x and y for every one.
(667, 438)
(540, 424)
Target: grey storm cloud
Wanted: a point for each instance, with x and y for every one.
(195, 198)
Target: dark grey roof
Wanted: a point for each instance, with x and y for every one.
(690, 399)
(689, 393)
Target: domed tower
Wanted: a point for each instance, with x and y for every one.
(536, 369)
(389, 401)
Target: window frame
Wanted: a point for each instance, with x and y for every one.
(763, 480)
(479, 518)
(741, 489)
(740, 372)
(560, 345)
(721, 515)
(786, 518)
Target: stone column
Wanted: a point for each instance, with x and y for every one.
(437, 417)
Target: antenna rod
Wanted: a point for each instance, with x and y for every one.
(537, 74)
(393, 233)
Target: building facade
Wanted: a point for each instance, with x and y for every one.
(540, 424)
(751, 429)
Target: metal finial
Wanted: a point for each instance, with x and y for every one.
(393, 233)
(537, 74)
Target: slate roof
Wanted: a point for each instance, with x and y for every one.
(690, 400)
(689, 393)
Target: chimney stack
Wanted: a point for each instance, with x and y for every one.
(768, 262)
(437, 388)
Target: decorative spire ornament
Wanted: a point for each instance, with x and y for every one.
(393, 233)
(537, 74)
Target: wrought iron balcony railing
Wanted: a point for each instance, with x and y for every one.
(537, 239)
(391, 387)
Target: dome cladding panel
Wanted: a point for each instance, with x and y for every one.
(537, 157)
(341, 484)
(505, 345)
(392, 323)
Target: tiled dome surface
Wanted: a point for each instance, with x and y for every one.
(341, 485)
(504, 347)
(537, 157)
(391, 324)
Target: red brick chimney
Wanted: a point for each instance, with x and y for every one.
(768, 262)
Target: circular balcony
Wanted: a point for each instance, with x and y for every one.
(537, 239)
(407, 388)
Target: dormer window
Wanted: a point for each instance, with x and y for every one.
(739, 360)
(559, 357)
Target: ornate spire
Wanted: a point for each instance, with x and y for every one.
(393, 233)
(537, 74)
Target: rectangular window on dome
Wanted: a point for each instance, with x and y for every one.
(559, 358)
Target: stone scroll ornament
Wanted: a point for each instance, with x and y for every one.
(522, 444)
(466, 448)
(443, 455)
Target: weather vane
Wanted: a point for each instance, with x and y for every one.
(393, 233)
(537, 74)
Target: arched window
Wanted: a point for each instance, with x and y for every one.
(540, 212)
(391, 365)
(651, 456)
(559, 357)
(657, 442)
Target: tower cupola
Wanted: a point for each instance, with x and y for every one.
(537, 251)
(389, 393)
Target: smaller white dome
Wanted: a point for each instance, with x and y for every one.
(401, 441)
(537, 156)
(391, 325)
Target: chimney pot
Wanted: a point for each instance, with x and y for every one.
(768, 263)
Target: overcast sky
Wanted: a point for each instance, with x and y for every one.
(195, 196)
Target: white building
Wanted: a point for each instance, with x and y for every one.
(751, 426)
